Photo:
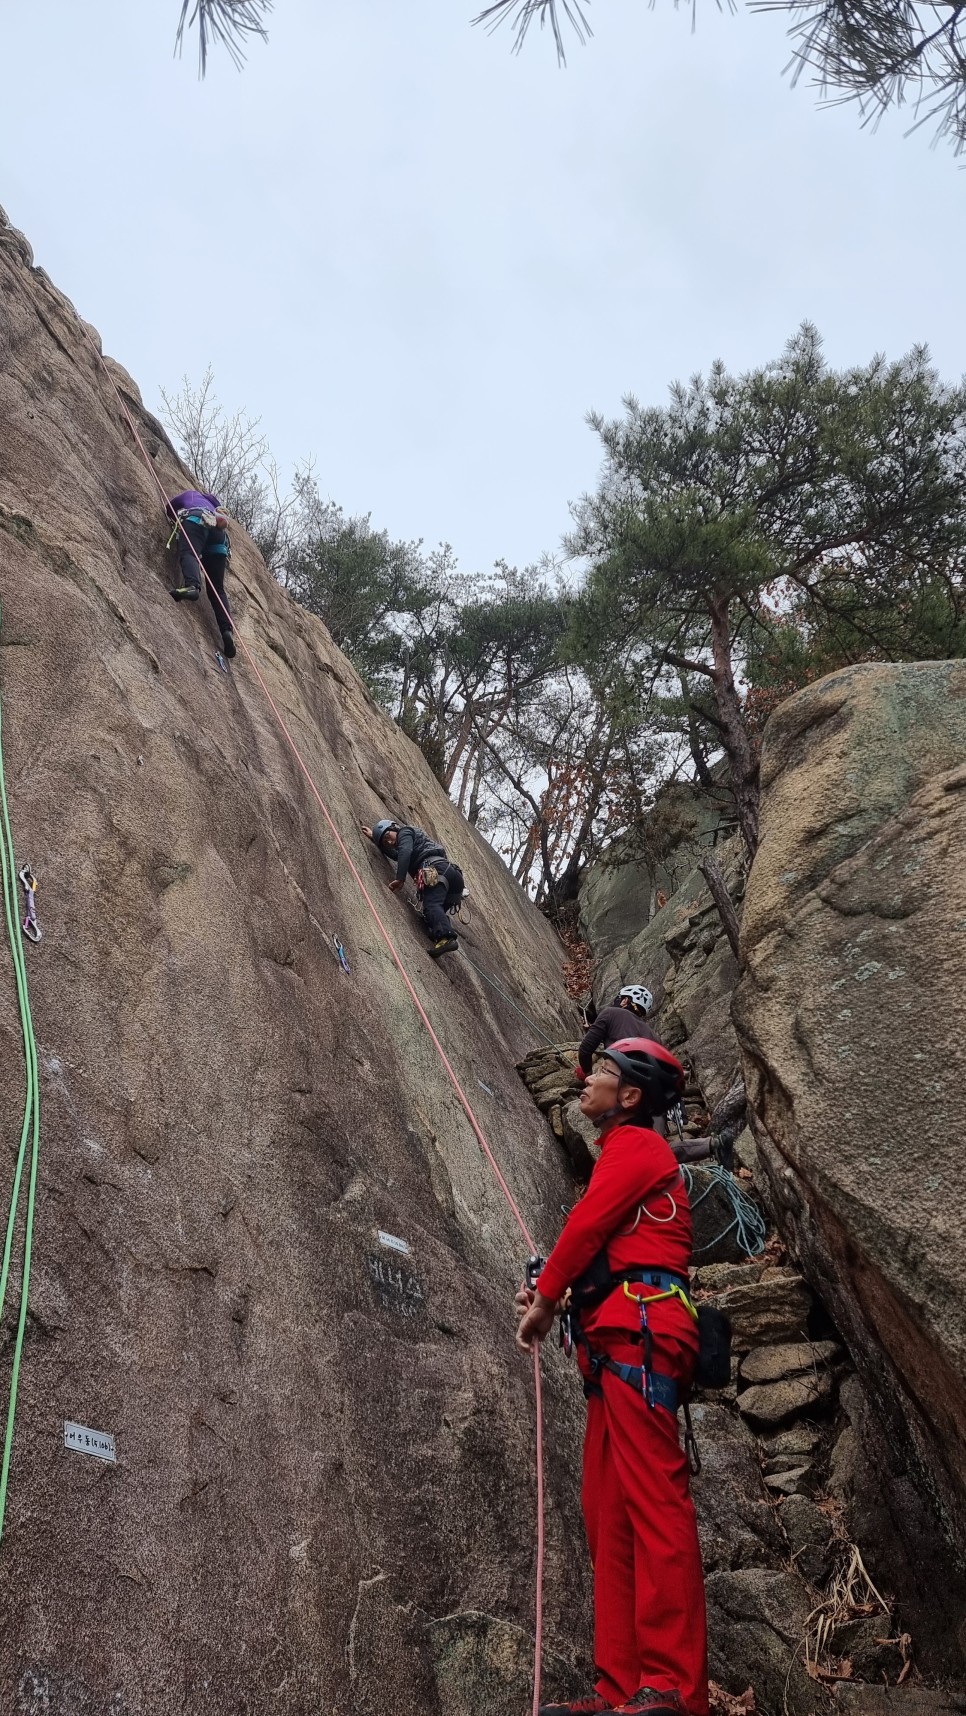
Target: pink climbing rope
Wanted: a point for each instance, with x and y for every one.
(424, 1016)
(538, 1628)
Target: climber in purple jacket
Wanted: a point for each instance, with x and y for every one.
(202, 533)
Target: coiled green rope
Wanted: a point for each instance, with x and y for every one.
(748, 1219)
(30, 1130)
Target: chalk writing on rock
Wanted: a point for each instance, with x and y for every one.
(396, 1289)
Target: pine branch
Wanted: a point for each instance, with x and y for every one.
(878, 53)
(227, 22)
(523, 12)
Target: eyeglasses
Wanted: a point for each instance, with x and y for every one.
(607, 1072)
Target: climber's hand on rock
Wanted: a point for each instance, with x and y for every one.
(394, 886)
(536, 1323)
(367, 831)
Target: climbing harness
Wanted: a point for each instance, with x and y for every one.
(655, 1387)
(748, 1223)
(28, 882)
(340, 956)
(420, 1009)
(29, 1136)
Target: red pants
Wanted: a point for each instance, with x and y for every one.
(649, 1615)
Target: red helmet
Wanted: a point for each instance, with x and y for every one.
(652, 1068)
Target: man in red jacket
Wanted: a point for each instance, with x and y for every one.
(624, 1253)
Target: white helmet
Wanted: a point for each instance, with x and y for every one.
(639, 997)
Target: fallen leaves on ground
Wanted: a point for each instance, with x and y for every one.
(722, 1703)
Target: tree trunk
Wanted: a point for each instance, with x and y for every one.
(718, 888)
(734, 732)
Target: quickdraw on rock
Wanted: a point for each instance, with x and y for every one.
(28, 882)
(341, 956)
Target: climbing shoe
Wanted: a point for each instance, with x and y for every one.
(186, 593)
(647, 1702)
(577, 1707)
(448, 944)
(228, 645)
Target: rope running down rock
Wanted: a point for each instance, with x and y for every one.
(30, 1130)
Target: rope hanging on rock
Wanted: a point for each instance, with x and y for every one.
(29, 1132)
(404, 974)
(507, 998)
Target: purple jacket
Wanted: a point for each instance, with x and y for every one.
(192, 501)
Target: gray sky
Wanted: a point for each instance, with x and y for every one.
(423, 259)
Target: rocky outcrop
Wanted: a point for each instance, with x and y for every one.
(269, 1258)
(785, 1583)
(682, 954)
(851, 1019)
(637, 876)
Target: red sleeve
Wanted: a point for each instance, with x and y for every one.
(632, 1164)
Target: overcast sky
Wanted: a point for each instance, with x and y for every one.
(422, 259)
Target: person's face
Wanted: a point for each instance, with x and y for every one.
(603, 1090)
(390, 840)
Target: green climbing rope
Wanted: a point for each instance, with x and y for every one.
(29, 1132)
(752, 1231)
(507, 998)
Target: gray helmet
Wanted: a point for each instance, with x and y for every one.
(381, 830)
(640, 998)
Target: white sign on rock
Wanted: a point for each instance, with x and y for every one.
(392, 1243)
(86, 1441)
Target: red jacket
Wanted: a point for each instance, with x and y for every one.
(637, 1207)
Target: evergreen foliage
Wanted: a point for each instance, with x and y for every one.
(774, 524)
(878, 53)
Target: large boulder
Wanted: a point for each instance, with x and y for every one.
(851, 1014)
(269, 1257)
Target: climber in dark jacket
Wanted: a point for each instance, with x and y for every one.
(439, 881)
(613, 1023)
(202, 534)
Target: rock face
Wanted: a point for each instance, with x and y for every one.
(620, 895)
(852, 1020)
(682, 953)
(324, 1437)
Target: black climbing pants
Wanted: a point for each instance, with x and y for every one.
(442, 899)
(209, 543)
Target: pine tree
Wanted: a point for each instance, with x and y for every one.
(792, 504)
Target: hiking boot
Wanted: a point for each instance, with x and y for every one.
(186, 593)
(228, 645)
(448, 944)
(653, 1703)
(577, 1707)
